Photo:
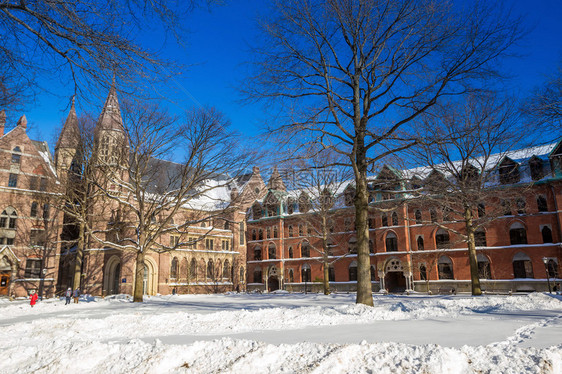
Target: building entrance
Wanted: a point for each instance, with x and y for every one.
(272, 284)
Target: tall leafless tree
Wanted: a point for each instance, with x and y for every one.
(356, 73)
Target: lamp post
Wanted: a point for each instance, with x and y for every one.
(545, 261)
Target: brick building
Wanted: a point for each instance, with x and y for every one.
(408, 249)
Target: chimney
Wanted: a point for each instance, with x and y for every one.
(2, 121)
(23, 122)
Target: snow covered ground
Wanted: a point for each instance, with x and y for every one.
(284, 333)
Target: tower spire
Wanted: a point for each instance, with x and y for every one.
(275, 181)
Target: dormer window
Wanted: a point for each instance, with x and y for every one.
(16, 155)
(304, 203)
(349, 196)
(535, 164)
(509, 172)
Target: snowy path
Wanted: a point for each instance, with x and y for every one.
(285, 333)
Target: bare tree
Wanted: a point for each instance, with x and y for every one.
(83, 41)
(357, 73)
(544, 107)
(467, 158)
(150, 194)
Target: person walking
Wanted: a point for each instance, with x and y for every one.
(68, 295)
(33, 298)
(76, 295)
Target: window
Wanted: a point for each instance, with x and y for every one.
(33, 268)
(260, 234)
(34, 208)
(16, 156)
(535, 165)
(192, 243)
(349, 196)
(290, 252)
(384, 220)
(420, 243)
(254, 235)
(371, 246)
(257, 254)
(193, 269)
(541, 203)
(241, 274)
(257, 275)
(442, 239)
(481, 210)
(43, 184)
(209, 244)
(275, 232)
(445, 268)
(331, 274)
(391, 242)
(423, 272)
(305, 249)
(433, 215)
(301, 230)
(418, 216)
(371, 223)
(290, 231)
(291, 276)
(552, 268)
(242, 233)
(8, 218)
(347, 224)
(46, 210)
(352, 245)
(13, 180)
(271, 252)
(447, 214)
(353, 271)
(546, 234)
(480, 238)
(37, 238)
(210, 270)
(520, 203)
(290, 205)
(306, 275)
(33, 182)
(506, 206)
(484, 271)
(226, 245)
(522, 267)
(174, 240)
(517, 234)
(268, 232)
(509, 172)
(174, 268)
(394, 219)
(226, 270)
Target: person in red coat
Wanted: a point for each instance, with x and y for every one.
(33, 298)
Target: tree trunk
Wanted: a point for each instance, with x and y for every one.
(326, 276)
(79, 258)
(364, 287)
(474, 278)
(138, 290)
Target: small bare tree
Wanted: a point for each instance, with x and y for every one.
(148, 192)
(466, 158)
(355, 74)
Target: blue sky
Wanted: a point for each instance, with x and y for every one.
(218, 43)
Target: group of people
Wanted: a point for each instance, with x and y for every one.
(33, 296)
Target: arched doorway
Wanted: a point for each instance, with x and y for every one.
(150, 277)
(8, 270)
(394, 279)
(112, 276)
(273, 279)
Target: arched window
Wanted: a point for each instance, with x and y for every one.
(445, 268)
(391, 242)
(34, 208)
(442, 239)
(418, 216)
(484, 271)
(373, 274)
(301, 230)
(517, 234)
(371, 246)
(290, 205)
(174, 268)
(423, 272)
(305, 249)
(46, 210)
(384, 220)
(257, 275)
(521, 206)
(8, 218)
(16, 155)
(290, 231)
(535, 164)
(433, 215)
(480, 238)
(353, 271)
(275, 232)
(522, 266)
(306, 275)
(542, 205)
(331, 274)
(420, 243)
(241, 274)
(394, 219)
(552, 268)
(268, 232)
(210, 270)
(193, 270)
(271, 252)
(290, 252)
(291, 276)
(226, 270)
(546, 234)
(352, 245)
(260, 234)
(257, 253)
(254, 235)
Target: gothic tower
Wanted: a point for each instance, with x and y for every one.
(68, 143)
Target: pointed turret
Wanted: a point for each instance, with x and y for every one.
(68, 142)
(276, 182)
(110, 118)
